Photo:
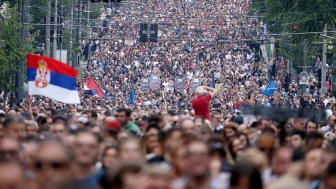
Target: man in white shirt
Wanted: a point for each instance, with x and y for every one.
(331, 124)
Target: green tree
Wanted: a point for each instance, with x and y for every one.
(308, 15)
(12, 49)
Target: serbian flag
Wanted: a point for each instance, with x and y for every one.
(51, 78)
(92, 85)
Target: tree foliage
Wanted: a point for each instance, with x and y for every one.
(308, 15)
(12, 49)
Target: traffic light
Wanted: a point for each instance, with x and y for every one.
(295, 28)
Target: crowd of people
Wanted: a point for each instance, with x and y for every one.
(173, 134)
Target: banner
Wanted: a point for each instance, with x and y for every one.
(179, 83)
(155, 82)
(264, 53)
(145, 84)
(196, 82)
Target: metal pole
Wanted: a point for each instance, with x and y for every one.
(304, 62)
(19, 74)
(88, 23)
(47, 36)
(61, 33)
(71, 30)
(55, 32)
(324, 61)
(79, 30)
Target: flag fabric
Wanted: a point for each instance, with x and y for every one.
(269, 91)
(92, 85)
(51, 78)
(132, 98)
(213, 84)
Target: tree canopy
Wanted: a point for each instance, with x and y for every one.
(12, 49)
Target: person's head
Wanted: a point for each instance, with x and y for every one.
(92, 116)
(311, 126)
(52, 165)
(332, 120)
(266, 143)
(229, 130)
(113, 128)
(245, 175)
(109, 156)
(12, 174)
(9, 148)
(14, 127)
(298, 138)
(179, 159)
(282, 159)
(124, 116)
(73, 111)
(158, 177)
(126, 175)
(244, 138)
(329, 180)
(314, 164)
(151, 143)
(263, 123)
(199, 122)
(314, 140)
(59, 130)
(86, 148)
(234, 146)
(31, 128)
(215, 118)
(198, 154)
(188, 126)
(299, 123)
(129, 149)
(200, 91)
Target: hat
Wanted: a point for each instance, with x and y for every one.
(114, 126)
(83, 120)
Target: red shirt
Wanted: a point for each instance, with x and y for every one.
(201, 106)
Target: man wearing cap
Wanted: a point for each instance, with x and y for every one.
(113, 128)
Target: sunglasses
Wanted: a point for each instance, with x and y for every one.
(55, 165)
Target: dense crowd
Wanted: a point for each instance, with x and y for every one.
(175, 137)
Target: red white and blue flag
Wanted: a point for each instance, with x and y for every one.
(51, 78)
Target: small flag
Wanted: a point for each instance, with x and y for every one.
(132, 99)
(92, 85)
(213, 85)
(51, 78)
(269, 91)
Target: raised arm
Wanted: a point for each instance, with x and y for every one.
(213, 91)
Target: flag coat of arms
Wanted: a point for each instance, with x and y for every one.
(51, 78)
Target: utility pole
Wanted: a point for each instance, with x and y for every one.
(324, 61)
(88, 25)
(55, 32)
(19, 74)
(47, 36)
(71, 30)
(61, 28)
(78, 57)
(304, 63)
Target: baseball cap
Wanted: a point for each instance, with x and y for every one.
(114, 126)
(83, 120)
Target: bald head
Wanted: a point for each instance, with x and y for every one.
(200, 91)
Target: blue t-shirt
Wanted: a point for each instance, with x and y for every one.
(91, 182)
